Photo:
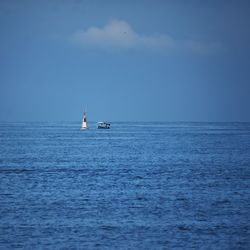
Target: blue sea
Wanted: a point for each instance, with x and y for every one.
(135, 186)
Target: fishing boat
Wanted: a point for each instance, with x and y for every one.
(84, 121)
(103, 125)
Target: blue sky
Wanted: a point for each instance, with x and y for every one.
(125, 60)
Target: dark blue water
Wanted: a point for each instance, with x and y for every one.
(135, 186)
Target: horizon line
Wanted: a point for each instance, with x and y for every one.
(122, 121)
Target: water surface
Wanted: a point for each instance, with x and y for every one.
(135, 186)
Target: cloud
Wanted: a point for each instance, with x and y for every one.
(119, 34)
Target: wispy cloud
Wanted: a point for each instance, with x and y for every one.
(119, 34)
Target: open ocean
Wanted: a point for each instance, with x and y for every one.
(135, 186)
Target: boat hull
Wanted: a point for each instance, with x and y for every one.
(99, 127)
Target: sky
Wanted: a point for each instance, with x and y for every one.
(134, 60)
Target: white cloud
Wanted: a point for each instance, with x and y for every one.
(119, 34)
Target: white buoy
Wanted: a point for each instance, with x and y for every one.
(84, 121)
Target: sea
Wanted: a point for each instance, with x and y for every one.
(135, 186)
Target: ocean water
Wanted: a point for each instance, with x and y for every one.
(135, 186)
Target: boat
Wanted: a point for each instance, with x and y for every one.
(84, 121)
(103, 125)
